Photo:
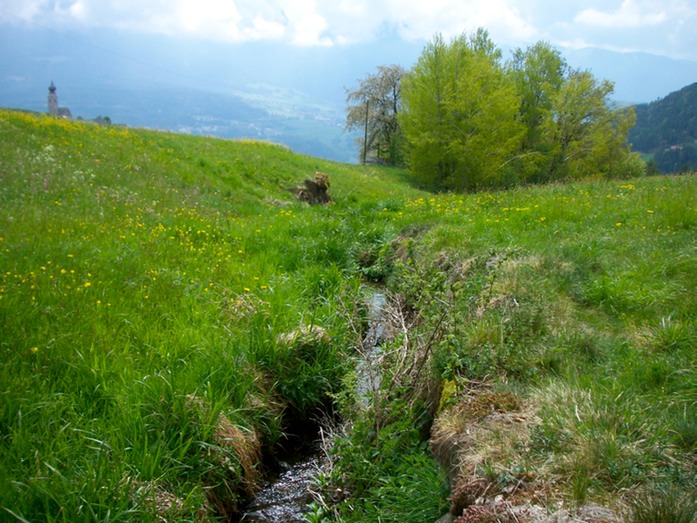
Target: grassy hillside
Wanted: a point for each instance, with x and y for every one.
(149, 283)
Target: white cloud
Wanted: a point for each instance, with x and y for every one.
(302, 22)
(628, 15)
(19, 10)
(625, 24)
(306, 24)
(451, 18)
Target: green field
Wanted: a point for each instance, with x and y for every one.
(149, 283)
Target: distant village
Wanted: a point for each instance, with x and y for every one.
(64, 112)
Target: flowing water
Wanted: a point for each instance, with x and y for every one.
(368, 377)
(286, 496)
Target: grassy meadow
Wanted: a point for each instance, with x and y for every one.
(158, 295)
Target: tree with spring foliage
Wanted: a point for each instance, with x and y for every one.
(460, 115)
(573, 130)
(538, 73)
(587, 134)
(471, 123)
(373, 107)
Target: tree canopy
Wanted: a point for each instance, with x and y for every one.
(463, 119)
(459, 116)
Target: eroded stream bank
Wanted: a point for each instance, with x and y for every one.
(286, 495)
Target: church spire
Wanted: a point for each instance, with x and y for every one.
(53, 108)
(52, 100)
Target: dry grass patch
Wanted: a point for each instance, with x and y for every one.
(164, 505)
(244, 443)
(484, 441)
(481, 441)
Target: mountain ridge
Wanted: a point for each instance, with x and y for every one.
(666, 130)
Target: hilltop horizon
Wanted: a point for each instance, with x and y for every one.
(245, 90)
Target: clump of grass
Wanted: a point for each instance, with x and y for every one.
(672, 335)
(663, 505)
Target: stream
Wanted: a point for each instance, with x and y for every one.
(285, 498)
(286, 495)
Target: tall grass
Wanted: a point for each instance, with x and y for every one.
(142, 269)
(146, 280)
(580, 299)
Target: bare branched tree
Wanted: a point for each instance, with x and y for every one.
(372, 108)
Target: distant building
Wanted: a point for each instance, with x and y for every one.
(53, 109)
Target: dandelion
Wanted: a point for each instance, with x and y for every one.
(87, 284)
(246, 289)
(618, 224)
(35, 349)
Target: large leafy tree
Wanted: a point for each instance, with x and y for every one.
(538, 73)
(470, 123)
(587, 133)
(460, 114)
(373, 107)
(572, 129)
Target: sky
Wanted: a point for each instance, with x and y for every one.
(661, 27)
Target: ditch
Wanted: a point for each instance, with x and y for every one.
(286, 496)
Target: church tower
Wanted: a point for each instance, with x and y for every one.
(52, 100)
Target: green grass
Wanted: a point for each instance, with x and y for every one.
(141, 269)
(588, 313)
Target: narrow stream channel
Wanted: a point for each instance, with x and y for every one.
(286, 496)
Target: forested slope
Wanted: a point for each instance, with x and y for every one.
(667, 129)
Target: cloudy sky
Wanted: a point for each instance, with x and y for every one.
(663, 27)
